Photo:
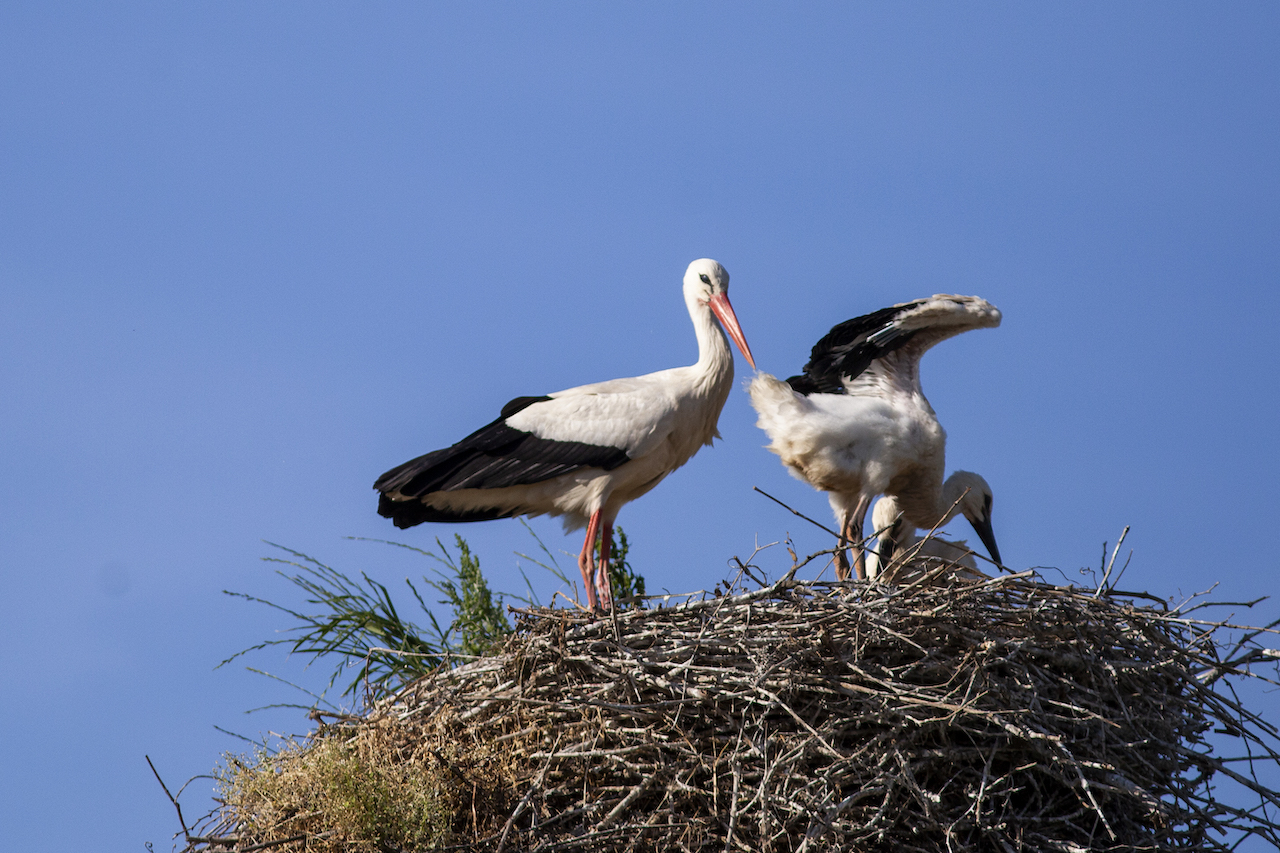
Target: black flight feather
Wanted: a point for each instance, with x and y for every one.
(492, 457)
(411, 512)
(849, 348)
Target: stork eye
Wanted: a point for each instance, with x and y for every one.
(704, 278)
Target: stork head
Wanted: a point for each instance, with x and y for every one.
(971, 496)
(707, 283)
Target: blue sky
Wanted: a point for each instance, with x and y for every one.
(254, 254)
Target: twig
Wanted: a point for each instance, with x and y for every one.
(796, 512)
(186, 833)
(1102, 584)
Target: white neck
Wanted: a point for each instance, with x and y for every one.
(714, 355)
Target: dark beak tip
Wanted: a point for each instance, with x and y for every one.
(988, 537)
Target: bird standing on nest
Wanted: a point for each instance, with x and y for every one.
(584, 452)
(856, 423)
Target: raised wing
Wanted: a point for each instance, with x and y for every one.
(849, 348)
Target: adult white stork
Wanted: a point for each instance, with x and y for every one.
(856, 422)
(898, 546)
(584, 452)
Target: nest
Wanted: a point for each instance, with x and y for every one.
(1005, 715)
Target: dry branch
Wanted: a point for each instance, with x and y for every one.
(1008, 715)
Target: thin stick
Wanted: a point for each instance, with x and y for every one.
(1111, 564)
(816, 524)
(186, 833)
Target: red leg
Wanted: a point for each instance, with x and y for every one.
(584, 560)
(602, 566)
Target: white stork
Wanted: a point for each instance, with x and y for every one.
(856, 423)
(897, 538)
(584, 452)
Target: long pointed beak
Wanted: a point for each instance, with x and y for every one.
(988, 537)
(724, 313)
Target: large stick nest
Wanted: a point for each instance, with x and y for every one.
(1007, 715)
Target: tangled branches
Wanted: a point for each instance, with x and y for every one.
(1008, 715)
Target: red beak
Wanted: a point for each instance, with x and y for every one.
(724, 313)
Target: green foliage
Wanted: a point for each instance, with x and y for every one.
(355, 624)
(357, 621)
(478, 621)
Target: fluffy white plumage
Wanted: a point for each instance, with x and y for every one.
(857, 424)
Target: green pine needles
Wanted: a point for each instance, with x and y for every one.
(478, 621)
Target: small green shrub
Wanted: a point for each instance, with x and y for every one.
(478, 620)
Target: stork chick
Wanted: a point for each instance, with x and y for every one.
(898, 546)
(856, 423)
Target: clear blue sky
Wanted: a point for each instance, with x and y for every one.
(254, 254)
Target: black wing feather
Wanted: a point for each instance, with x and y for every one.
(492, 457)
(849, 348)
(411, 512)
(519, 404)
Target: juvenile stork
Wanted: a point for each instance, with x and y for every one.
(856, 423)
(898, 546)
(584, 452)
